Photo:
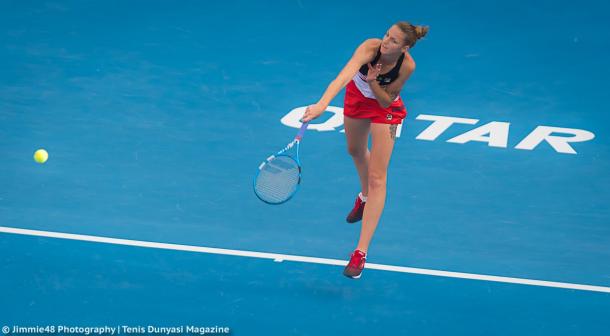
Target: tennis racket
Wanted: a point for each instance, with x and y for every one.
(278, 177)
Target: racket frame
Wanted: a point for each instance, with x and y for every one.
(296, 142)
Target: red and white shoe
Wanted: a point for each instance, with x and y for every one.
(356, 214)
(356, 265)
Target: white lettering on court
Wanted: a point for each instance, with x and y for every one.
(559, 143)
(497, 130)
(494, 133)
(440, 124)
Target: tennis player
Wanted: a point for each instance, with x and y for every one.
(374, 77)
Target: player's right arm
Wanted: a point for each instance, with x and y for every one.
(363, 54)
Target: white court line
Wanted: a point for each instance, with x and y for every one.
(282, 257)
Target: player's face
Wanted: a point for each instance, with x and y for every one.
(393, 41)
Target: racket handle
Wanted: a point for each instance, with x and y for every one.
(302, 131)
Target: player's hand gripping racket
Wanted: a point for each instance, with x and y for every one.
(277, 178)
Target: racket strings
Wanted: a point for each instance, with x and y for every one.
(278, 179)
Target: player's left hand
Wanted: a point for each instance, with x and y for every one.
(373, 72)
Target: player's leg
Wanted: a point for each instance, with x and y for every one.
(383, 138)
(357, 133)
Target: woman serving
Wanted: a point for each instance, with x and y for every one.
(374, 77)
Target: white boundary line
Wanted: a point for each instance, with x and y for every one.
(281, 257)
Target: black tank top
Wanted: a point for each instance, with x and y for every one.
(388, 77)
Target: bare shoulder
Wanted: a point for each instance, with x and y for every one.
(366, 50)
(373, 42)
(408, 64)
(370, 45)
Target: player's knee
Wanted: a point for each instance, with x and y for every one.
(377, 180)
(357, 151)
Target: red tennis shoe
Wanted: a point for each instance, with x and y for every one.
(356, 214)
(356, 265)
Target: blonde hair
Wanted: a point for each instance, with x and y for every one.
(413, 33)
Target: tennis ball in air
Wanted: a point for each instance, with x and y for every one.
(41, 156)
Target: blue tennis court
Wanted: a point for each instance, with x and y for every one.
(156, 114)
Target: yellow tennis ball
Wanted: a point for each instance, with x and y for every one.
(41, 156)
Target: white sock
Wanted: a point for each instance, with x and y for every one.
(362, 197)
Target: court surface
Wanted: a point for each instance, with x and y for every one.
(156, 114)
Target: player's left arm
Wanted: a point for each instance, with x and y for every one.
(391, 91)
